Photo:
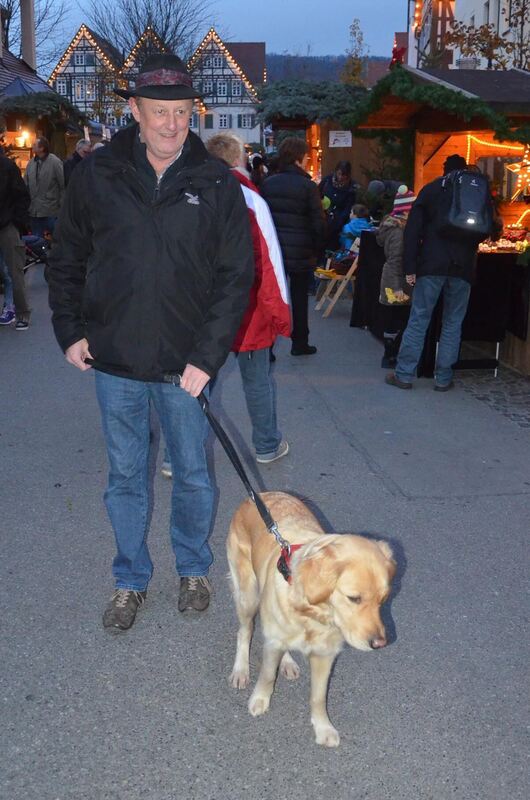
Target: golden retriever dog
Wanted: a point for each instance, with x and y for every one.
(338, 584)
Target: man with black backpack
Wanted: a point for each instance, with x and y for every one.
(449, 219)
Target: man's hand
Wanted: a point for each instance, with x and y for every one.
(77, 353)
(401, 296)
(193, 380)
(411, 279)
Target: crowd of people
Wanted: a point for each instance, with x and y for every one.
(30, 206)
(216, 256)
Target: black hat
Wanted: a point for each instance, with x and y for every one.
(162, 77)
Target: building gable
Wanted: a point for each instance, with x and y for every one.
(218, 76)
(148, 44)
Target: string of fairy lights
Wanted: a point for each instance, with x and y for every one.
(520, 168)
(211, 38)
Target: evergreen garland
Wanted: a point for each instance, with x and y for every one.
(401, 84)
(55, 108)
(311, 101)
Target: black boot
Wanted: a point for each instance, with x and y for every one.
(390, 355)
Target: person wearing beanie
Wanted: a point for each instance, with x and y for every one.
(395, 292)
(436, 263)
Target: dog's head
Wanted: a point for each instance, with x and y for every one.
(346, 579)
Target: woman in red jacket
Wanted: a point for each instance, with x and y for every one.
(267, 315)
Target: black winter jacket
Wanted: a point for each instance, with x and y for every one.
(69, 165)
(153, 279)
(14, 195)
(426, 250)
(297, 212)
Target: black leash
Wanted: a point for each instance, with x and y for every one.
(284, 562)
(234, 458)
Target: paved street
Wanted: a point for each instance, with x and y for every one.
(439, 714)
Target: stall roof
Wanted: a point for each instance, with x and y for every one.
(505, 90)
(438, 100)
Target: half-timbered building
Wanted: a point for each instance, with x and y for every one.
(227, 76)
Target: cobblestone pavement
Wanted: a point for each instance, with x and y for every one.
(508, 393)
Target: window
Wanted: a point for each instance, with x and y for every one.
(246, 120)
(218, 61)
(222, 88)
(90, 90)
(79, 89)
(208, 120)
(207, 87)
(194, 121)
(225, 120)
(207, 62)
(60, 86)
(79, 59)
(486, 17)
(90, 59)
(236, 88)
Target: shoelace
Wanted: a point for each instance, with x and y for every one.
(121, 596)
(195, 579)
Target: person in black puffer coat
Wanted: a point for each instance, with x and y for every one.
(297, 212)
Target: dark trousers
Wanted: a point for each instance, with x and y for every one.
(299, 285)
(13, 251)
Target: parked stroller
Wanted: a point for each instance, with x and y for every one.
(36, 250)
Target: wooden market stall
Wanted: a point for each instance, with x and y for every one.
(483, 115)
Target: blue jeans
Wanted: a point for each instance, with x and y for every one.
(426, 293)
(8, 284)
(125, 412)
(260, 396)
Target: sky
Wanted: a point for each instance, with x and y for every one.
(301, 27)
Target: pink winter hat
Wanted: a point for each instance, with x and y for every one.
(403, 201)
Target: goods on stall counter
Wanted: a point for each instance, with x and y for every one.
(503, 246)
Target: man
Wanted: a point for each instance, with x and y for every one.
(14, 207)
(83, 149)
(45, 181)
(267, 315)
(435, 263)
(149, 279)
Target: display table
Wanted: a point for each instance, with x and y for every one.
(499, 302)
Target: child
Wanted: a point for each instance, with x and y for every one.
(359, 222)
(395, 292)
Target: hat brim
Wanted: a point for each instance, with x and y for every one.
(178, 92)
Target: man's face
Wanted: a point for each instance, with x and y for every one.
(39, 150)
(85, 150)
(164, 125)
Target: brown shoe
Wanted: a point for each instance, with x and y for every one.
(194, 594)
(392, 380)
(121, 611)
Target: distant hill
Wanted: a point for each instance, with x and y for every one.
(320, 68)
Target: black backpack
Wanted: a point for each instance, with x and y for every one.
(467, 213)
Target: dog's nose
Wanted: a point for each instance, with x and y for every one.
(378, 642)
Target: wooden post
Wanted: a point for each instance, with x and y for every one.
(418, 161)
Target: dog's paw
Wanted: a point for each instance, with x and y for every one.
(327, 735)
(289, 668)
(258, 705)
(239, 678)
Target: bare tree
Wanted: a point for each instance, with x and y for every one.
(356, 56)
(179, 23)
(50, 16)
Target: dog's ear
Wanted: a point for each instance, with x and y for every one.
(389, 555)
(318, 573)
